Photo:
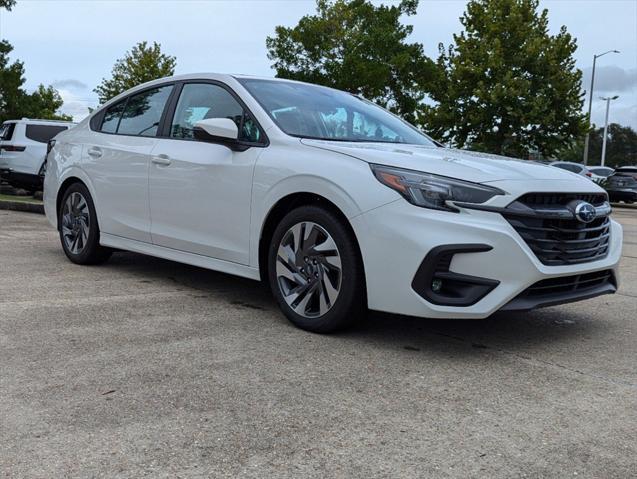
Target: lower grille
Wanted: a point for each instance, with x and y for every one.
(550, 229)
(565, 289)
(566, 284)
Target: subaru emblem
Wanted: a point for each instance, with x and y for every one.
(585, 212)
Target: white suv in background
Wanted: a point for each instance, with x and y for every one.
(334, 201)
(23, 147)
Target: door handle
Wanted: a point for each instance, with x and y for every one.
(95, 152)
(161, 160)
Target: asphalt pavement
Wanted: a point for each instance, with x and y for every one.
(146, 368)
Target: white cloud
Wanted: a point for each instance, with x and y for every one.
(611, 78)
(75, 105)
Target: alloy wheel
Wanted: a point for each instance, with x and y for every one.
(76, 223)
(308, 269)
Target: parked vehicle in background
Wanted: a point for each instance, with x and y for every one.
(335, 202)
(627, 171)
(23, 147)
(573, 168)
(600, 173)
(621, 188)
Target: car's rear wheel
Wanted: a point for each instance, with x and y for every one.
(79, 230)
(315, 270)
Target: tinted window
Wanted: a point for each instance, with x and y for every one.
(43, 133)
(6, 131)
(622, 181)
(111, 118)
(312, 111)
(200, 101)
(601, 171)
(566, 166)
(143, 111)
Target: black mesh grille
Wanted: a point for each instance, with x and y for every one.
(566, 284)
(558, 241)
(556, 199)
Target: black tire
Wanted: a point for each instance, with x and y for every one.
(350, 301)
(90, 252)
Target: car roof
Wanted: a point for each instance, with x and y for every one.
(37, 121)
(221, 77)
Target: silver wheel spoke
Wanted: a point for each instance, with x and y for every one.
(308, 269)
(329, 288)
(76, 222)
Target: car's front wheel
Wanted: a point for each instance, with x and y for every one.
(315, 270)
(79, 230)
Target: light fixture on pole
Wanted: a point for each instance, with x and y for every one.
(590, 103)
(608, 100)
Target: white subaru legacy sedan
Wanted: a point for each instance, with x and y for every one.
(337, 203)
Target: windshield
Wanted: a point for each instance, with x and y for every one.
(311, 111)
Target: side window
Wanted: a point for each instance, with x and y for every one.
(6, 131)
(111, 117)
(566, 166)
(143, 111)
(43, 133)
(200, 101)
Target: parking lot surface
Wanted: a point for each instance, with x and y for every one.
(146, 368)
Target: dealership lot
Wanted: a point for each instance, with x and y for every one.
(147, 368)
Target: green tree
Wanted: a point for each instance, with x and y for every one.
(45, 103)
(11, 81)
(506, 86)
(15, 102)
(142, 64)
(621, 147)
(355, 46)
(8, 4)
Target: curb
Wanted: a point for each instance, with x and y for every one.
(22, 206)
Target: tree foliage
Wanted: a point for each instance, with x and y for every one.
(8, 4)
(142, 64)
(621, 147)
(507, 86)
(15, 102)
(355, 46)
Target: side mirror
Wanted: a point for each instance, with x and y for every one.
(217, 128)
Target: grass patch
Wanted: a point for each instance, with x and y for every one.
(21, 199)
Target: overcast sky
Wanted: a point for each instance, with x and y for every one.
(73, 44)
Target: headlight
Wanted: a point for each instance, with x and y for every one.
(432, 191)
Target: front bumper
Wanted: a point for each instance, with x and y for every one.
(395, 238)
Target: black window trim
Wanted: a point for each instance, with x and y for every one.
(96, 122)
(164, 131)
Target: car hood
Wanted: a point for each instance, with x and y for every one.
(460, 164)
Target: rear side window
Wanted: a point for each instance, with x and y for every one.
(566, 166)
(6, 131)
(43, 133)
(143, 111)
(601, 171)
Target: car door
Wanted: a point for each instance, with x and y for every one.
(200, 192)
(117, 160)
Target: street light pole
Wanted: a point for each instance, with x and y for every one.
(608, 100)
(590, 104)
